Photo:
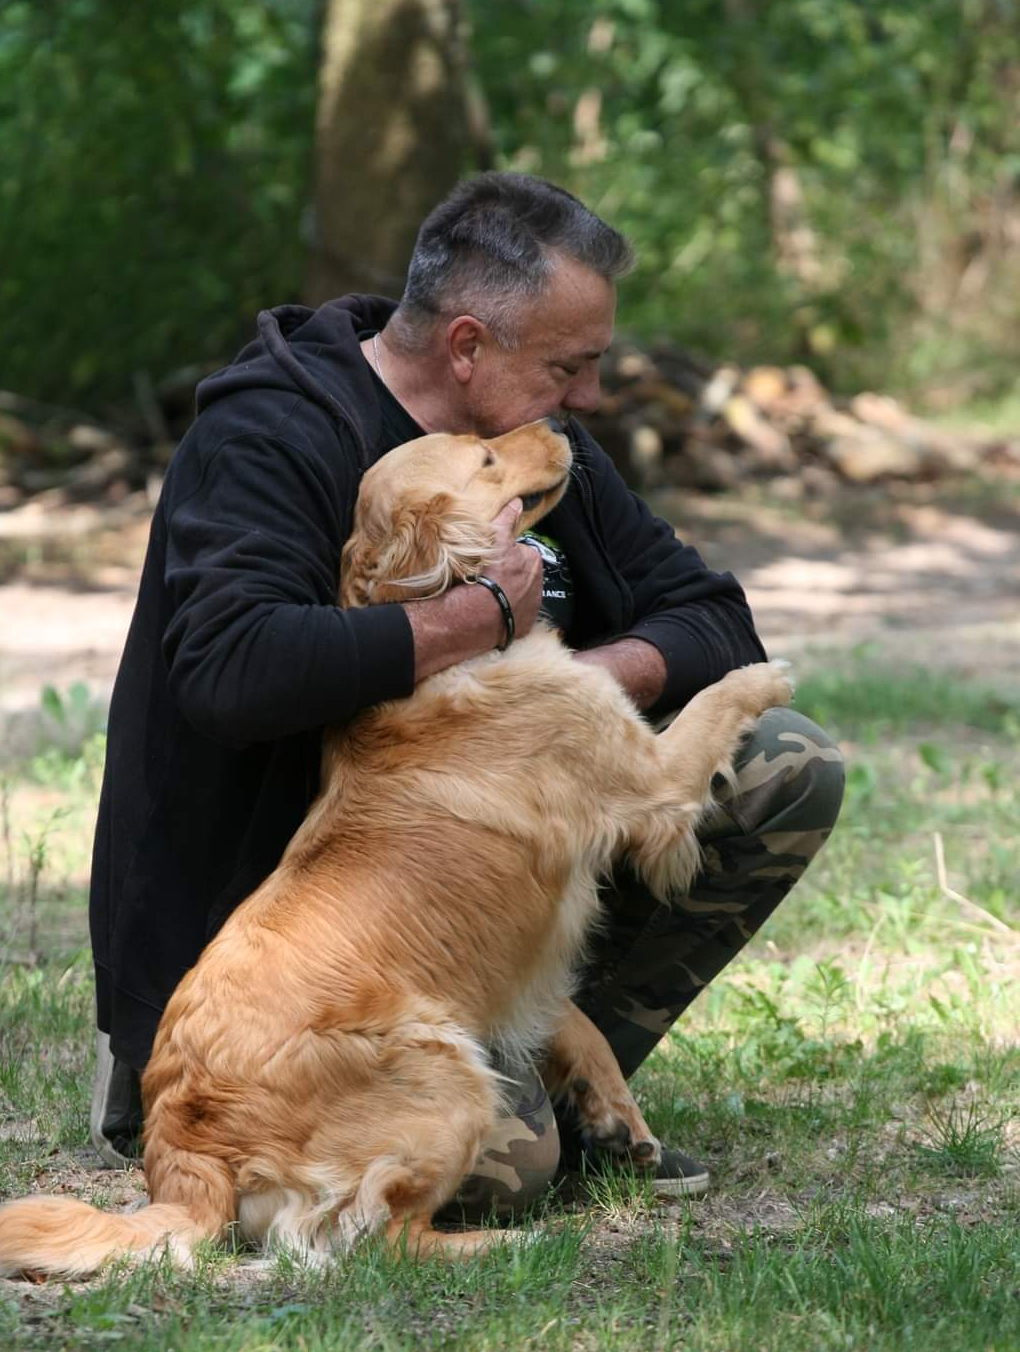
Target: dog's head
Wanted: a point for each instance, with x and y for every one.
(424, 514)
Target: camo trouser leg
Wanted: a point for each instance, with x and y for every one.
(519, 1160)
(651, 958)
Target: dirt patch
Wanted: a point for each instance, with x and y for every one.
(922, 580)
(69, 592)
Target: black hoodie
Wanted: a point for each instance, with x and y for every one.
(237, 654)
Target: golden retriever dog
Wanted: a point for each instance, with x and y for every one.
(323, 1072)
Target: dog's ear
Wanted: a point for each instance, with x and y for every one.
(420, 552)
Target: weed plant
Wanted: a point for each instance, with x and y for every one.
(853, 1082)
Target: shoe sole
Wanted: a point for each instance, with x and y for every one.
(693, 1185)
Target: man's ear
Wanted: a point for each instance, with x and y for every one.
(427, 547)
(465, 338)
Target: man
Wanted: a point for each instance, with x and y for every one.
(237, 655)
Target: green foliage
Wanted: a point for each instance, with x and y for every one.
(818, 180)
(864, 692)
(153, 166)
(966, 1140)
(889, 131)
(70, 723)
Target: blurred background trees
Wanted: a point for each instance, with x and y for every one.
(829, 181)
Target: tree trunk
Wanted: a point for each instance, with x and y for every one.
(393, 134)
(794, 245)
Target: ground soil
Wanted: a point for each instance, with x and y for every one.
(921, 574)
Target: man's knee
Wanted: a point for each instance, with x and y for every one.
(789, 776)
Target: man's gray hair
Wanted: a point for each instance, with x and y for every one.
(492, 245)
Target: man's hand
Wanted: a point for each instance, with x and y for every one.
(467, 620)
(517, 568)
(638, 666)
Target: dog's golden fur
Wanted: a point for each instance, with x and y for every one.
(322, 1072)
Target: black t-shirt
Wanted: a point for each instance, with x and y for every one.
(397, 424)
(557, 583)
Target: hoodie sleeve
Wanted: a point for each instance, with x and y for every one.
(256, 648)
(698, 619)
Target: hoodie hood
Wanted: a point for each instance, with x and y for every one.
(314, 353)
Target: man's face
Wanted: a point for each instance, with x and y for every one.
(554, 371)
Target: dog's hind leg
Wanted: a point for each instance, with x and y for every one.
(580, 1069)
(397, 1195)
(417, 1238)
(397, 1150)
(405, 1191)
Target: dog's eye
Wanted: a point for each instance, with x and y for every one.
(490, 459)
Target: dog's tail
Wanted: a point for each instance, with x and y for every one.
(62, 1237)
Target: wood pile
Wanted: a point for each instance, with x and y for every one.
(55, 457)
(668, 420)
(665, 419)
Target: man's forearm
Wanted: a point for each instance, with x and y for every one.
(638, 666)
(447, 629)
(466, 621)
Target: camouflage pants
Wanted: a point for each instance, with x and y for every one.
(652, 958)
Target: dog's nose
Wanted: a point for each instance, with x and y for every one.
(555, 425)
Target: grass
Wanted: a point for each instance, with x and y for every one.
(853, 1082)
(875, 700)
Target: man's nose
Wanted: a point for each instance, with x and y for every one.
(584, 395)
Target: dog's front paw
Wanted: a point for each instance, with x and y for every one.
(760, 686)
(613, 1122)
(786, 684)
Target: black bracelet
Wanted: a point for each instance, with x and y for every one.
(505, 607)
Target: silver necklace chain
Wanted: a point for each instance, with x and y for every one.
(375, 357)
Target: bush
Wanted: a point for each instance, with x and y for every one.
(153, 170)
